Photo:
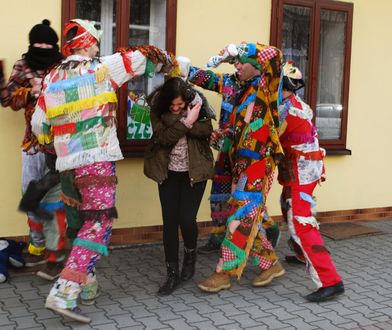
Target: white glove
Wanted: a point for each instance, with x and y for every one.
(184, 63)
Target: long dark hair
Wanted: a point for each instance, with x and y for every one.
(160, 100)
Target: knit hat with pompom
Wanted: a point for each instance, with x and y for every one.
(43, 34)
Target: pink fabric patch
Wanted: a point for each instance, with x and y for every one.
(54, 99)
(88, 113)
(61, 149)
(83, 260)
(97, 197)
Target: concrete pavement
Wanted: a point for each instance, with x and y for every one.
(129, 279)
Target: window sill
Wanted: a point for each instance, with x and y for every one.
(339, 152)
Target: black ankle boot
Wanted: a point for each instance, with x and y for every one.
(188, 266)
(172, 280)
(326, 293)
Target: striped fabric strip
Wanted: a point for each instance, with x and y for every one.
(93, 246)
(80, 126)
(62, 85)
(77, 106)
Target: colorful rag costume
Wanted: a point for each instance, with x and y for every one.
(44, 235)
(77, 112)
(299, 172)
(231, 89)
(254, 153)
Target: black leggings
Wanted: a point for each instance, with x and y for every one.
(180, 202)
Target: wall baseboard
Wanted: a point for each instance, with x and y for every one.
(149, 234)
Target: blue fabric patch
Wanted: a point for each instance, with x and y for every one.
(75, 145)
(308, 198)
(51, 207)
(256, 197)
(251, 50)
(88, 79)
(255, 200)
(241, 183)
(249, 153)
(251, 98)
(226, 106)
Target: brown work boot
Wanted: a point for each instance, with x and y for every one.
(51, 271)
(266, 276)
(215, 282)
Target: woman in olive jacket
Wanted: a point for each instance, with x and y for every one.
(180, 160)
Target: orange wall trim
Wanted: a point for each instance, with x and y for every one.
(148, 234)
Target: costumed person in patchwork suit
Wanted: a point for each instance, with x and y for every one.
(77, 112)
(46, 215)
(231, 87)
(299, 172)
(254, 150)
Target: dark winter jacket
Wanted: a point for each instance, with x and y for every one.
(167, 130)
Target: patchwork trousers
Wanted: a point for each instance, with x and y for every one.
(296, 203)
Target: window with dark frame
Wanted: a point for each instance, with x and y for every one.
(127, 23)
(316, 36)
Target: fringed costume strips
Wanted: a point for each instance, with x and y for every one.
(254, 154)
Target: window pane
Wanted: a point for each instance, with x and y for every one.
(103, 12)
(295, 39)
(330, 74)
(147, 26)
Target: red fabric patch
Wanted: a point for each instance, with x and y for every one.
(35, 226)
(319, 248)
(262, 134)
(256, 171)
(297, 125)
(295, 103)
(41, 103)
(238, 239)
(69, 128)
(62, 225)
(51, 256)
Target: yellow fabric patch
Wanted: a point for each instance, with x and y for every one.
(101, 74)
(91, 102)
(44, 139)
(34, 250)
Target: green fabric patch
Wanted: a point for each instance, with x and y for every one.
(71, 95)
(211, 74)
(46, 128)
(93, 246)
(254, 126)
(84, 125)
(74, 221)
(89, 141)
(254, 261)
(150, 68)
(227, 145)
(67, 181)
(140, 113)
(246, 59)
(238, 252)
(217, 239)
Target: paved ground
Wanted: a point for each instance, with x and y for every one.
(130, 277)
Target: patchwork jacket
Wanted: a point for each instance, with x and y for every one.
(77, 107)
